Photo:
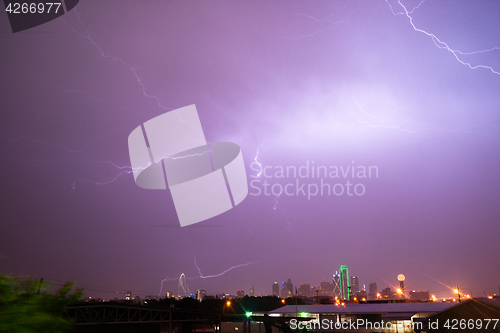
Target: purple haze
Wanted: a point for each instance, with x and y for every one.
(324, 81)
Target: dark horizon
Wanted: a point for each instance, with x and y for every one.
(411, 90)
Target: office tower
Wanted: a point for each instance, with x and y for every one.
(305, 290)
(354, 285)
(201, 294)
(326, 289)
(419, 295)
(372, 291)
(345, 288)
(287, 290)
(336, 285)
(387, 293)
(240, 293)
(252, 291)
(276, 289)
(362, 295)
(128, 296)
(401, 279)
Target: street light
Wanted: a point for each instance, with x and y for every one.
(228, 304)
(457, 291)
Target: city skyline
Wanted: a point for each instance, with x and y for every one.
(368, 131)
(448, 293)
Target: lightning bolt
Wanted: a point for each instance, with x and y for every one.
(283, 211)
(166, 280)
(125, 170)
(328, 19)
(106, 55)
(421, 127)
(131, 68)
(205, 276)
(224, 272)
(256, 161)
(276, 201)
(441, 44)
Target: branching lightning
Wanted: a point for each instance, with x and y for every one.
(439, 43)
(224, 272)
(282, 209)
(106, 55)
(328, 19)
(466, 128)
(125, 170)
(276, 201)
(205, 276)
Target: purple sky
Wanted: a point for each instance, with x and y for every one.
(324, 81)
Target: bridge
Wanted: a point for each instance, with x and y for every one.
(131, 318)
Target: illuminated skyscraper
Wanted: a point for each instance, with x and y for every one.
(276, 289)
(354, 285)
(345, 288)
(240, 293)
(401, 279)
(372, 291)
(287, 290)
(326, 289)
(305, 290)
(201, 294)
(336, 285)
(128, 296)
(252, 291)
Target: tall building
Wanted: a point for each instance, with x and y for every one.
(326, 289)
(401, 279)
(354, 285)
(240, 293)
(287, 290)
(372, 291)
(201, 294)
(128, 296)
(419, 295)
(305, 290)
(252, 291)
(276, 289)
(387, 293)
(336, 285)
(345, 288)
